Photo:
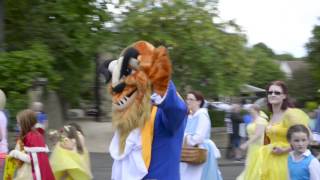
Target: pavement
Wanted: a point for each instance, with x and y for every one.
(99, 134)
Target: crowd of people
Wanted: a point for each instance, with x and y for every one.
(276, 146)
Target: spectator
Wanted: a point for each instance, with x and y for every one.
(3, 129)
(236, 119)
(229, 130)
(42, 119)
(302, 165)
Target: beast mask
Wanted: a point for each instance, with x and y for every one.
(141, 69)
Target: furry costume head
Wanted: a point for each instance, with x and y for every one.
(140, 70)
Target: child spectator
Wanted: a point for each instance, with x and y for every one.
(301, 163)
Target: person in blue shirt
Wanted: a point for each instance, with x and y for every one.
(302, 164)
(42, 118)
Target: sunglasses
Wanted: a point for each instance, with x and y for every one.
(277, 93)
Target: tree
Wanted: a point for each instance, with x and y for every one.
(71, 30)
(313, 47)
(264, 69)
(285, 57)
(203, 53)
(264, 48)
(19, 69)
(302, 86)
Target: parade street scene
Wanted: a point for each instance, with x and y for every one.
(160, 90)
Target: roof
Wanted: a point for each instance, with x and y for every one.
(289, 67)
(296, 65)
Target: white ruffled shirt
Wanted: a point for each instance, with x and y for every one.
(129, 164)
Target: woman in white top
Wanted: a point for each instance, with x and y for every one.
(3, 126)
(197, 133)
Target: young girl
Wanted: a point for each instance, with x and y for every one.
(31, 150)
(302, 164)
(255, 131)
(70, 158)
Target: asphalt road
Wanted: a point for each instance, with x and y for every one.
(102, 164)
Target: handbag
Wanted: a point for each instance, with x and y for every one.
(193, 155)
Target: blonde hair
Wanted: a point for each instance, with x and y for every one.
(26, 120)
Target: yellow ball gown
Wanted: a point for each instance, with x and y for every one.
(274, 167)
(251, 172)
(76, 165)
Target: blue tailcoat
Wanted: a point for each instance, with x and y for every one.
(169, 128)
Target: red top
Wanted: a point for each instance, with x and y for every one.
(35, 139)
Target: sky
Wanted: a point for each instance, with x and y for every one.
(285, 26)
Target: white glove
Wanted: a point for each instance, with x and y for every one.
(20, 155)
(157, 99)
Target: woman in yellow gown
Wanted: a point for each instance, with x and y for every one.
(274, 156)
(256, 135)
(70, 158)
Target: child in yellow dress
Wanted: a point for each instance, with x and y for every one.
(70, 158)
(256, 135)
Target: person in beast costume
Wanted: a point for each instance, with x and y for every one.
(148, 115)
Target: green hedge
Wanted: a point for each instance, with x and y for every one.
(217, 118)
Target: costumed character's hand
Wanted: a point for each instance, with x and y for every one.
(20, 155)
(155, 62)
